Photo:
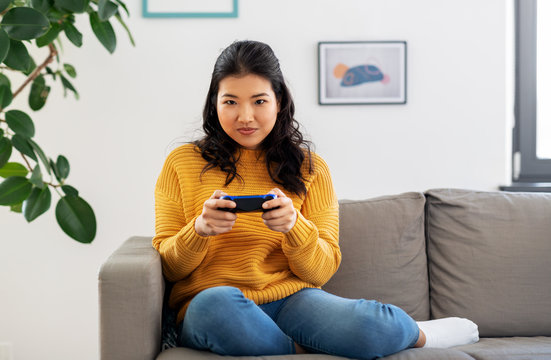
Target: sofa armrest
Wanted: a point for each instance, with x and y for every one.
(131, 289)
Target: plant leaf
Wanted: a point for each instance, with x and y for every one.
(25, 23)
(14, 190)
(4, 5)
(70, 69)
(106, 9)
(54, 169)
(76, 218)
(39, 93)
(37, 203)
(104, 32)
(4, 80)
(50, 36)
(123, 6)
(13, 169)
(62, 165)
(75, 6)
(73, 34)
(69, 190)
(18, 57)
(5, 151)
(5, 92)
(55, 14)
(17, 208)
(31, 68)
(119, 18)
(36, 177)
(4, 44)
(67, 85)
(22, 144)
(20, 122)
(41, 5)
(5, 96)
(41, 155)
(60, 45)
(50, 72)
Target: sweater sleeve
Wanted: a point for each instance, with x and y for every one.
(312, 245)
(180, 247)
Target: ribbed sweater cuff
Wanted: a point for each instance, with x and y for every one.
(301, 232)
(192, 240)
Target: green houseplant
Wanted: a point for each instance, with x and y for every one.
(40, 23)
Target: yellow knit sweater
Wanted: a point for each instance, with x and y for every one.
(265, 265)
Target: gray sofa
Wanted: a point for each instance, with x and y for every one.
(485, 256)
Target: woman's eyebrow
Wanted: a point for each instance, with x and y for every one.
(253, 96)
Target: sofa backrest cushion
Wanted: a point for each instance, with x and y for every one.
(490, 259)
(382, 242)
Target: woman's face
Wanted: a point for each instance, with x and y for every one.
(247, 109)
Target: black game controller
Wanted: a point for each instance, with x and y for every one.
(248, 203)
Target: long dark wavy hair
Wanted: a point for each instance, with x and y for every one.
(285, 148)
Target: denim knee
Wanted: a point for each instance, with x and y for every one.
(224, 321)
(219, 297)
(390, 331)
(216, 295)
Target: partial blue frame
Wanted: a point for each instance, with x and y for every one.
(231, 14)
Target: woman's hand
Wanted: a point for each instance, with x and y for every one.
(213, 221)
(282, 219)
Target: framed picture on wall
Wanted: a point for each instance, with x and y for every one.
(362, 72)
(190, 8)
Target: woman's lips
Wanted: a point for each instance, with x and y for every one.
(246, 131)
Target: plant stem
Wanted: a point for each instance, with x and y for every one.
(34, 75)
(31, 169)
(52, 185)
(38, 70)
(57, 191)
(26, 161)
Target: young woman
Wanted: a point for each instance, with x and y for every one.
(250, 283)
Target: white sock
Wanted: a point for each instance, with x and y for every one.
(448, 332)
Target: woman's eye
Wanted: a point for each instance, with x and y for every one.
(230, 102)
(260, 101)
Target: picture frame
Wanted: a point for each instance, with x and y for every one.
(190, 8)
(362, 72)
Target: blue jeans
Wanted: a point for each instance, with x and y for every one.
(222, 320)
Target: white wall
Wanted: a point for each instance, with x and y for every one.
(454, 131)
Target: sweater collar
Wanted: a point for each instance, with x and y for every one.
(250, 155)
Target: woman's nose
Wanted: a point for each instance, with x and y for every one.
(246, 114)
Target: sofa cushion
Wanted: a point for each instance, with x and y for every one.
(490, 259)
(514, 348)
(429, 354)
(182, 353)
(408, 354)
(383, 252)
